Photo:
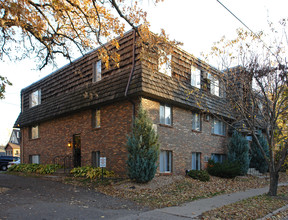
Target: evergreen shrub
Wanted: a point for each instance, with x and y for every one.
(238, 152)
(143, 149)
(224, 170)
(257, 159)
(201, 175)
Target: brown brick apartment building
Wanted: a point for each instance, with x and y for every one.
(91, 108)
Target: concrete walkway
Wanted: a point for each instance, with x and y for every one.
(192, 210)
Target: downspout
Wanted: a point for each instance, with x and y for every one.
(130, 76)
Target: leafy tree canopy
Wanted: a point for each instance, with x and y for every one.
(46, 28)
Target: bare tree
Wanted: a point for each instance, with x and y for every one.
(256, 91)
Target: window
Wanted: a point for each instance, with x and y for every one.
(196, 121)
(97, 71)
(214, 86)
(164, 64)
(165, 114)
(96, 118)
(34, 159)
(195, 77)
(165, 161)
(196, 161)
(35, 98)
(218, 158)
(95, 158)
(218, 127)
(34, 132)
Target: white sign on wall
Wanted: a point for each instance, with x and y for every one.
(102, 161)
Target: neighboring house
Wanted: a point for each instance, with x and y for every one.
(91, 108)
(13, 146)
(12, 150)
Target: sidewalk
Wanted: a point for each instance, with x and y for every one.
(193, 209)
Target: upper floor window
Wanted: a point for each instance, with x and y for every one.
(35, 98)
(195, 77)
(196, 121)
(97, 71)
(164, 64)
(214, 86)
(34, 132)
(96, 118)
(165, 115)
(218, 127)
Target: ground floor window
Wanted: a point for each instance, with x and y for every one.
(95, 158)
(165, 161)
(196, 161)
(34, 159)
(218, 157)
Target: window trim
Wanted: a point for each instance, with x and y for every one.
(167, 166)
(31, 132)
(95, 123)
(195, 72)
(38, 91)
(200, 122)
(97, 157)
(165, 106)
(223, 127)
(31, 158)
(165, 67)
(215, 86)
(197, 162)
(221, 155)
(96, 77)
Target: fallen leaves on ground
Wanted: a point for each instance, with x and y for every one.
(252, 208)
(2, 189)
(182, 189)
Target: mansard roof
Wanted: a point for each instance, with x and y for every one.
(70, 89)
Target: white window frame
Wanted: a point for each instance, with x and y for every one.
(35, 98)
(165, 161)
(196, 121)
(165, 66)
(34, 132)
(97, 71)
(218, 127)
(165, 114)
(195, 77)
(196, 161)
(214, 86)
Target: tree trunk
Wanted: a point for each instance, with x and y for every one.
(274, 177)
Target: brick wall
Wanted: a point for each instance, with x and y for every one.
(181, 140)
(110, 139)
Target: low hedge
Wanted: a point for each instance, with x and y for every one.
(201, 175)
(91, 172)
(34, 168)
(224, 170)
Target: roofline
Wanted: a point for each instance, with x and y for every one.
(74, 61)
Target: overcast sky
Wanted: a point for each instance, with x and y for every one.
(196, 23)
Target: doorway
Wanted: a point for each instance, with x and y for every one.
(77, 150)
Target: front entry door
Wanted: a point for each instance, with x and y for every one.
(77, 150)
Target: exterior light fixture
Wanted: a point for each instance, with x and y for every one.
(69, 144)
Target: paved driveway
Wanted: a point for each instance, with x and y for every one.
(35, 198)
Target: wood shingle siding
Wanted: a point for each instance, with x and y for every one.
(70, 89)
